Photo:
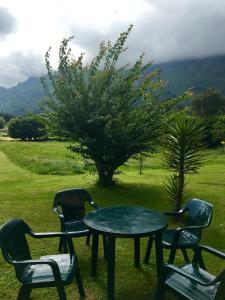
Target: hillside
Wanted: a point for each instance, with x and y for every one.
(22, 98)
(198, 74)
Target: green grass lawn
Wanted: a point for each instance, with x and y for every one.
(27, 187)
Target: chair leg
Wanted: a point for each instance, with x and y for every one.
(64, 245)
(137, 252)
(160, 291)
(148, 251)
(24, 292)
(79, 283)
(60, 245)
(172, 255)
(201, 261)
(185, 255)
(94, 255)
(61, 292)
(88, 239)
(105, 246)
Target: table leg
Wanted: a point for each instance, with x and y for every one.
(159, 252)
(111, 268)
(94, 256)
(137, 252)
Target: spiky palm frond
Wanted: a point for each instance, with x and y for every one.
(182, 145)
(171, 190)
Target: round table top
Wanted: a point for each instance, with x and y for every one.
(125, 221)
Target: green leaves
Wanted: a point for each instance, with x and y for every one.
(109, 111)
(182, 145)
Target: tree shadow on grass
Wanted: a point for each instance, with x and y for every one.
(146, 195)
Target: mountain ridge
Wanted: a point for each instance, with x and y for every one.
(198, 74)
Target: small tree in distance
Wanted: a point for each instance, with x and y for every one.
(108, 111)
(2, 122)
(26, 128)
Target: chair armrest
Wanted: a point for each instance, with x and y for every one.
(96, 206)
(53, 264)
(213, 251)
(41, 235)
(187, 275)
(208, 249)
(59, 214)
(174, 213)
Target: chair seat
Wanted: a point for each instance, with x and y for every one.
(189, 289)
(186, 238)
(35, 274)
(75, 226)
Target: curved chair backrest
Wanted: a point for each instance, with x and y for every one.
(72, 203)
(199, 213)
(13, 241)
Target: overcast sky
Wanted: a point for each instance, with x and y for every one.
(164, 29)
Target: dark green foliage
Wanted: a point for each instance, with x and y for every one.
(182, 145)
(208, 103)
(26, 128)
(6, 116)
(110, 111)
(218, 131)
(209, 106)
(2, 122)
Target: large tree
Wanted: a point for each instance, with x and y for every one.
(108, 110)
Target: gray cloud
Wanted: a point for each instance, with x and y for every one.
(18, 66)
(7, 22)
(168, 30)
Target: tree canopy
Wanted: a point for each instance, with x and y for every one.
(110, 111)
(209, 102)
(27, 127)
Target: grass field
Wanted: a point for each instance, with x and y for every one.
(28, 182)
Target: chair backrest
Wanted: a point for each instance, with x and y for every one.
(72, 203)
(199, 213)
(13, 241)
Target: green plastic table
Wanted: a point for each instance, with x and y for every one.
(125, 222)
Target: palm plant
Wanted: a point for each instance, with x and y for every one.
(182, 145)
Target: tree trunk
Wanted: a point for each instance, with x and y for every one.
(105, 176)
(140, 163)
(180, 191)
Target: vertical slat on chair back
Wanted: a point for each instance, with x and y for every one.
(13, 241)
(72, 203)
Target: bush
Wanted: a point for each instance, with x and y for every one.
(29, 127)
(218, 131)
(2, 122)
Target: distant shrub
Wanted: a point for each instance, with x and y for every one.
(2, 122)
(6, 116)
(29, 127)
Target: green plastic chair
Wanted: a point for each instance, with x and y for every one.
(199, 216)
(47, 271)
(192, 282)
(69, 206)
